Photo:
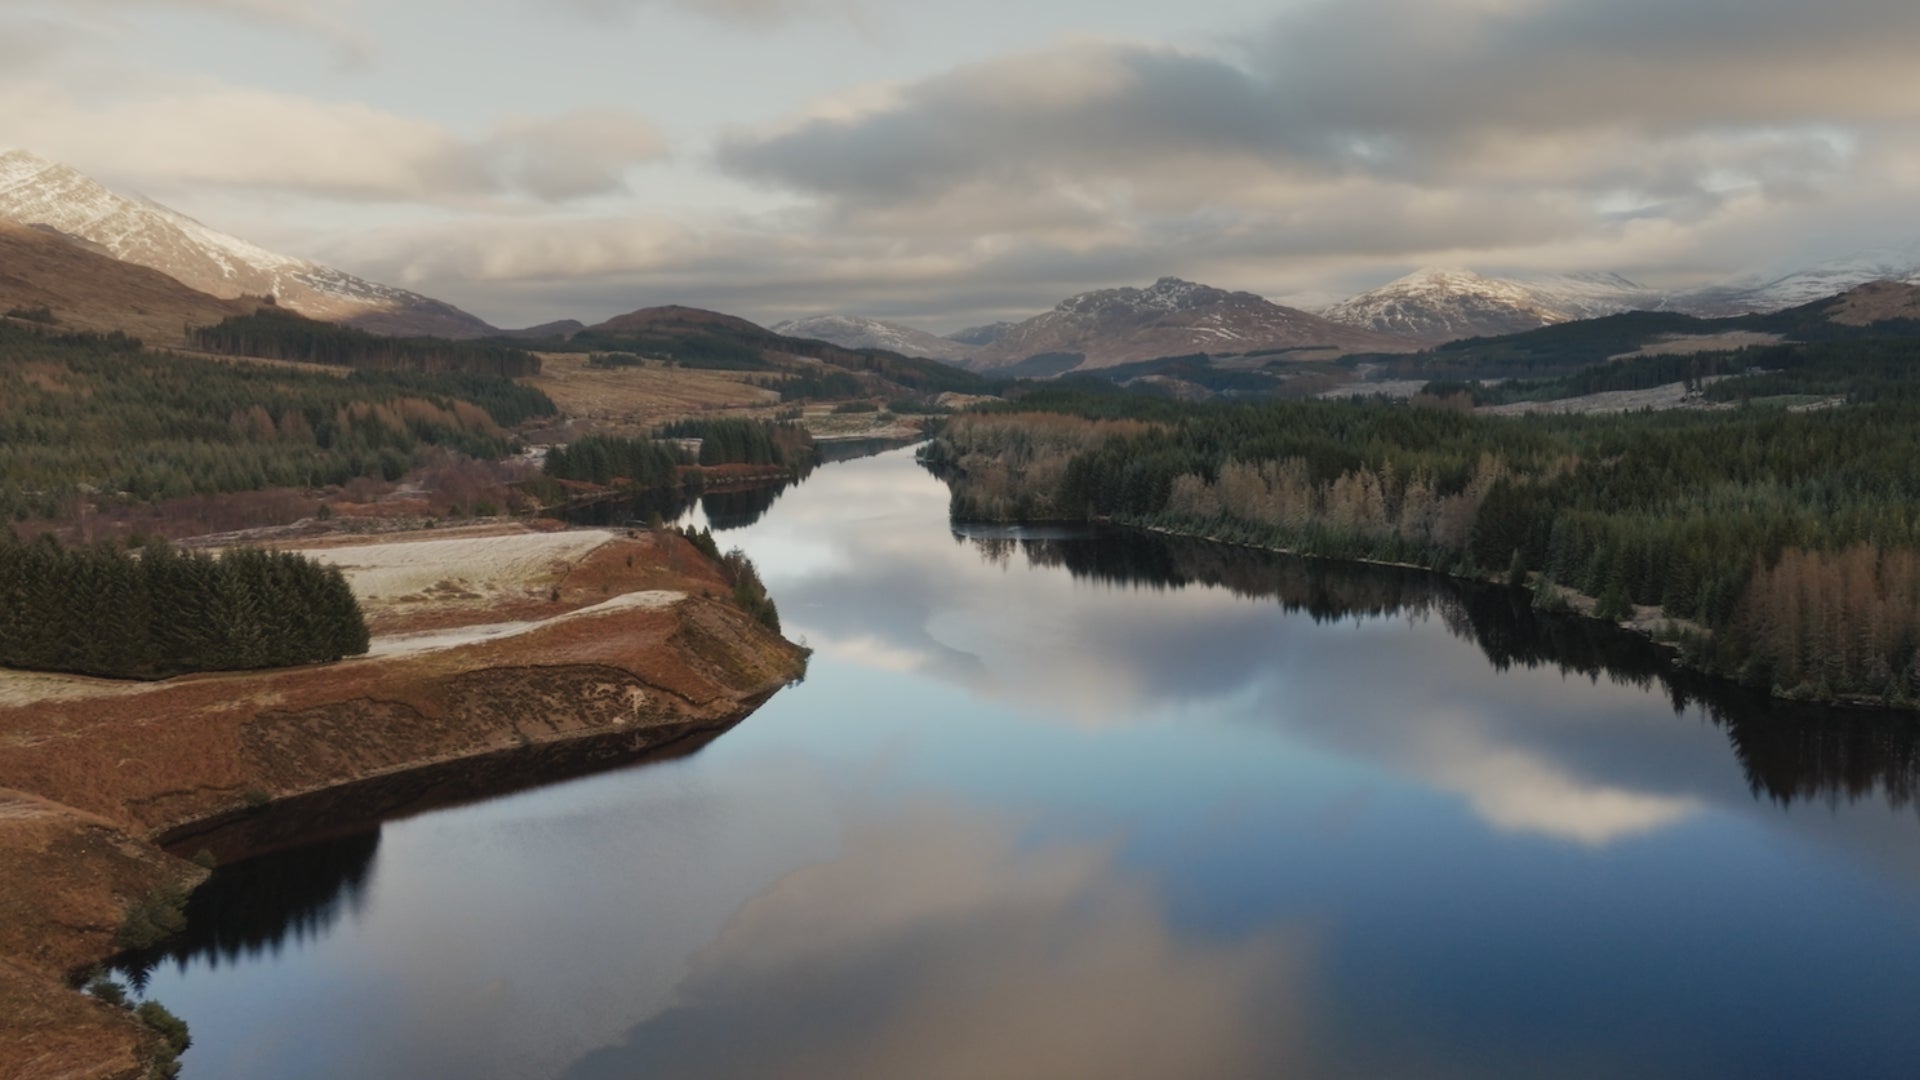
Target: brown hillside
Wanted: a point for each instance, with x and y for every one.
(1876, 301)
(1109, 327)
(87, 290)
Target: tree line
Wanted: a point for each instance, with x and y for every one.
(1857, 370)
(275, 334)
(745, 442)
(749, 592)
(602, 459)
(658, 461)
(157, 611)
(1774, 530)
(99, 415)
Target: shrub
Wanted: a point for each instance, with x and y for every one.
(105, 989)
(173, 1035)
(154, 918)
(1615, 605)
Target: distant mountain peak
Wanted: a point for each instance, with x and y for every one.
(1775, 291)
(38, 192)
(1171, 317)
(857, 332)
(1439, 274)
(1436, 304)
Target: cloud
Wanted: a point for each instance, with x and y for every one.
(1329, 148)
(353, 46)
(1519, 130)
(572, 156)
(197, 134)
(750, 12)
(1162, 125)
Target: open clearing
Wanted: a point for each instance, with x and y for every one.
(1689, 344)
(483, 569)
(456, 637)
(1670, 396)
(640, 397)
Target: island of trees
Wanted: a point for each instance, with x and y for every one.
(660, 460)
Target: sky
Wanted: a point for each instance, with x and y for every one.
(952, 162)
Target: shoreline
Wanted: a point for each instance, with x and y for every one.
(1580, 605)
(104, 793)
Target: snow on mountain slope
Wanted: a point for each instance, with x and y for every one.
(1436, 305)
(34, 191)
(1766, 293)
(854, 332)
(1591, 295)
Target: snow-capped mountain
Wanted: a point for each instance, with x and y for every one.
(1764, 293)
(1591, 295)
(1436, 305)
(1172, 318)
(34, 191)
(853, 332)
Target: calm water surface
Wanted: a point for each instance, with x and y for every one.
(1055, 807)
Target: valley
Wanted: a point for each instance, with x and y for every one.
(1534, 476)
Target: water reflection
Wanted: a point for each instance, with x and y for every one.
(1051, 804)
(731, 509)
(722, 509)
(254, 909)
(1790, 752)
(939, 945)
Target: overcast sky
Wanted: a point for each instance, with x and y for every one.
(954, 161)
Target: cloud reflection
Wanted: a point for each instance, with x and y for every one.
(1517, 792)
(1134, 640)
(940, 946)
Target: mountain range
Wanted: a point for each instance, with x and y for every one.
(1110, 327)
(37, 192)
(70, 227)
(1428, 307)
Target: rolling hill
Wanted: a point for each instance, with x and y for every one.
(84, 289)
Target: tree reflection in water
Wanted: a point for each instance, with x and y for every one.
(1791, 753)
(255, 907)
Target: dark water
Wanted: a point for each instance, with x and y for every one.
(720, 509)
(1059, 807)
